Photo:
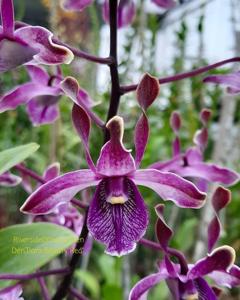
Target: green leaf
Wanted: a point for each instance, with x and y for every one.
(89, 281)
(27, 247)
(13, 156)
(185, 234)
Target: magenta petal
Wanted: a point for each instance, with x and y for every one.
(205, 115)
(169, 165)
(232, 80)
(170, 187)
(75, 5)
(57, 191)
(210, 172)
(205, 292)
(175, 121)
(7, 16)
(201, 138)
(24, 93)
(82, 124)
(14, 53)
(7, 179)
(214, 229)
(165, 3)
(120, 225)
(115, 159)
(163, 231)
(140, 138)
(228, 279)
(12, 293)
(40, 113)
(38, 74)
(40, 39)
(141, 289)
(221, 259)
(52, 171)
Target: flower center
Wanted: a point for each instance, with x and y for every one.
(191, 297)
(117, 200)
(116, 193)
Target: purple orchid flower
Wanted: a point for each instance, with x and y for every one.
(232, 81)
(187, 281)
(27, 44)
(8, 180)
(126, 9)
(12, 293)
(165, 3)
(41, 95)
(191, 163)
(117, 214)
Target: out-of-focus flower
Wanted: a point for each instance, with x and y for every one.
(165, 3)
(232, 81)
(74, 5)
(27, 44)
(191, 163)
(12, 294)
(117, 214)
(7, 179)
(187, 281)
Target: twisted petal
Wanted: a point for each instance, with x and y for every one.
(140, 138)
(7, 16)
(14, 53)
(117, 225)
(57, 191)
(40, 113)
(141, 289)
(170, 187)
(163, 231)
(228, 279)
(8, 179)
(165, 3)
(13, 293)
(115, 159)
(52, 171)
(205, 292)
(75, 5)
(40, 39)
(221, 259)
(169, 165)
(24, 93)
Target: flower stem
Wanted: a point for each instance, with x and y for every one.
(66, 282)
(181, 76)
(115, 89)
(44, 289)
(76, 294)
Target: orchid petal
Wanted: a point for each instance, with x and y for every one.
(147, 91)
(165, 3)
(115, 159)
(75, 5)
(205, 115)
(14, 53)
(205, 292)
(221, 259)
(170, 187)
(57, 191)
(126, 12)
(38, 74)
(140, 290)
(82, 124)
(210, 172)
(168, 165)
(175, 121)
(140, 138)
(7, 16)
(52, 171)
(232, 80)
(201, 138)
(220, 199)
(13, 293)
(119, 226)
(229, 279)
(24, 93)
(163, 231)
(39, 38)
(41, 113)
(7, 179)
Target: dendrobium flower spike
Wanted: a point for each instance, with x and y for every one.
(27, 44)
(41, 96)
(117, 215)
(220, 199)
